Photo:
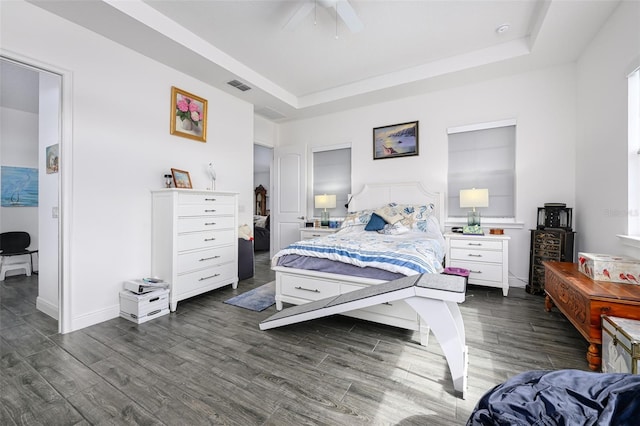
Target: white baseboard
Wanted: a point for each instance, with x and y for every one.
(47, 308)
(95, 317)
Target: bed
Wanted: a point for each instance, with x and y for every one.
(297, 285)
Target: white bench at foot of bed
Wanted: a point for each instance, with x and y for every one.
(298, 286)
(433, 297)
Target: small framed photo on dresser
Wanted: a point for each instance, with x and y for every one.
(181, 178)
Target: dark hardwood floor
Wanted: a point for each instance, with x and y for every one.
(208, 363)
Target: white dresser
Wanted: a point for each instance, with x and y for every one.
(485, 256)
(194, 243)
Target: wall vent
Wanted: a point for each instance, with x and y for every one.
(238, 85)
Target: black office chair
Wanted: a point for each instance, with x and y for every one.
(15, 243)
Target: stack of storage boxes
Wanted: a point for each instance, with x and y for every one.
(144, 307)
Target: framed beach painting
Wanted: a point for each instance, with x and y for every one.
(188, 115)
(181, 178)
(397, 140)
(19, 186)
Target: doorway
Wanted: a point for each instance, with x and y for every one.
(31, 125)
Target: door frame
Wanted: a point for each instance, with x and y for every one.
(65, 180)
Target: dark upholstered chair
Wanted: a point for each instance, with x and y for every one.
(261, 236)
(13, 244)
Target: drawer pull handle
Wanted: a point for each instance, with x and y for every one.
(316, 235)
(209, 239)
(307, 289)
(209, 199)
(209, 223)
(474, 244)
(209, 210)
(387, 303)
(208, 258)
(474, 255)
(209, 277)
(475, 272)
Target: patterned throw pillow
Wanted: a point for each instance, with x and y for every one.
(390, 213)
(395, 229)
(415, 216)
(357, 218)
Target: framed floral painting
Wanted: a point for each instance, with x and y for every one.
(188, 115)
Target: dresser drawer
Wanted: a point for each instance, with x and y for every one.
(480, 271)
(193, 280)
(469, 254)
(309, 289)
(209, 199)
(196, 240)
(476, 244)
(194, 260)
(203, 223)
(206, 210)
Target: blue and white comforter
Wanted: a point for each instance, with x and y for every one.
(408, 254)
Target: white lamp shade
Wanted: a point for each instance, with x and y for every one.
(325, 201)
(474, 198)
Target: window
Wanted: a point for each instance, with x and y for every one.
(332, 175)
(634, 153)
(483, 156)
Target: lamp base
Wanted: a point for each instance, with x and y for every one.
(473, 218)
(324, 218)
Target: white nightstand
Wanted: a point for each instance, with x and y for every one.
(310, 233)
(485, 256)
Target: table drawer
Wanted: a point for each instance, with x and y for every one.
(309, 289)
(469, 254)
(205, 277)
(209, 199)
(480, 271)
(204, 223)
(196, 240)
(477, 244)
(206, 210)
(194, 260)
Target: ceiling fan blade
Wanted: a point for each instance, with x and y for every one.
(302, 12)
(349, 16)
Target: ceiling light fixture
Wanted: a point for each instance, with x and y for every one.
(503, 28)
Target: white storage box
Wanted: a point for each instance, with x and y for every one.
(620, 345)
(141, 308)
(605, 267)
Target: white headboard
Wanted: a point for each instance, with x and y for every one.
(374, 195)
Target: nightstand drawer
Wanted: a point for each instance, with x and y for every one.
(480, 271)
(472, 255)
(476, 244)
(309, 289)
(311, 233)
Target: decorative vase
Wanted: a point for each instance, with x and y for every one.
(187, 124)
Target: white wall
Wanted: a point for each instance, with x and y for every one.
(542, 102)
(49, 131)
(601, 158)
(19, 148)
(122, 148)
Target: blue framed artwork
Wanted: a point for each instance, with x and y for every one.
(19, 186)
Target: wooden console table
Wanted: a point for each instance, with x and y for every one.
(583, 300)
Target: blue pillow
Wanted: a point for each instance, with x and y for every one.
(376, 223)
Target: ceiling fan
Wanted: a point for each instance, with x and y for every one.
(343, 9)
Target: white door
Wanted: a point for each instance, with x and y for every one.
(290, 195)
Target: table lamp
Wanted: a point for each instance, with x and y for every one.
(325, 202)
(474, 198)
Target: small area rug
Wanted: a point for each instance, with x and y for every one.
(258, 299)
